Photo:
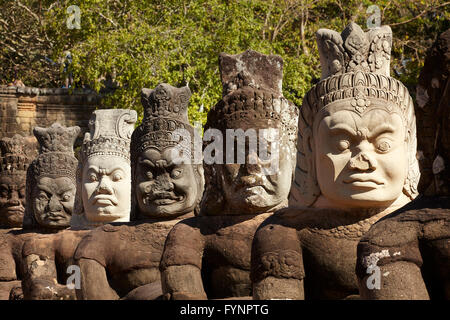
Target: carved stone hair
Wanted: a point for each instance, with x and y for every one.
(55, 159)
(355, 69)
(165, 113)
(252, 93)
(109, 134)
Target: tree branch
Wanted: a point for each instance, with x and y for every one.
(420, 14)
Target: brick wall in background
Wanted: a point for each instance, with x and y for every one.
(23, 108)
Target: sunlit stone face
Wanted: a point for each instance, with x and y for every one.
(163, 188)
(361, 161)
(53, 201)
(106, 189)
(12, 200)
(252, 187)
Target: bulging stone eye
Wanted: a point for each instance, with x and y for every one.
(343, 145)
(117, 177)
(93, 177)
(383, 146)
(66, 197)
(176, 173)
(149, 175)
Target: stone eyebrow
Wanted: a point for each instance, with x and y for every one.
(96, 169)
(382, 128)
(44, 187)
(343, 127)
(147, 162)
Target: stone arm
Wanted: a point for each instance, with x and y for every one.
(390, 273)
(277, 265)
(94, 282)
(181, 263)
(8, 276)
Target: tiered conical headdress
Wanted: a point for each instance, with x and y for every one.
(16, 155)
(355, 69)
(56, 159)
(165, 111)
(110, 133)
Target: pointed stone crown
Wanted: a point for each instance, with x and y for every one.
(15, 155)
(165, 110)
(252, 90)
(56, 155)
(110, 134)
(355, 77)
(356, 66)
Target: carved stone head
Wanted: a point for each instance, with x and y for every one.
(104, 172)
(15, 157)
(51, 183)
(357, 130)
(162, 185)
(252, 104)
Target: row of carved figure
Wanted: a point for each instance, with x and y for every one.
(340, 218)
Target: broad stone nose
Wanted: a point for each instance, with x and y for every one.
(163, 183)
(362, 161)
(253, 163)
(104, 186)
(54, 204)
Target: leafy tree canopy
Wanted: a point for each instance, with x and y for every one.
(136, 44)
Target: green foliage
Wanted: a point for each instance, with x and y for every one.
(142, 43)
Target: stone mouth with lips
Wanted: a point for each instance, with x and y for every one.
(250, 183)
(162, 198)
(103, 200)
(363, 180)
(55, 216)
(15, 209)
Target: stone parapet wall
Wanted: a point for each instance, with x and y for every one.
(23, 108)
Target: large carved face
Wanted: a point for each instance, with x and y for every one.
(53, 201)
(12, 200)
(361, 161)
(106, 189)
(163, 188)
(247, 188)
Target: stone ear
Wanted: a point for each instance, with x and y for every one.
(305, 189)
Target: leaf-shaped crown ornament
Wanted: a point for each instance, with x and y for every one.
(109, 133)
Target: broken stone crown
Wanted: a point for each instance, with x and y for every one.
(252, 91)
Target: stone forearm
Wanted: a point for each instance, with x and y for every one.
(183, 283)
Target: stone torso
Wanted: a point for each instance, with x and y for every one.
(226, 258)
(316, 246)
(134, 259)
(220, 246)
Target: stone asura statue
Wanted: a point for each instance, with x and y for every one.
(406, 255)
(356, 162)
(209, 256)
(51, 187)
(104, 172)
(121, 260)
(15, 157)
